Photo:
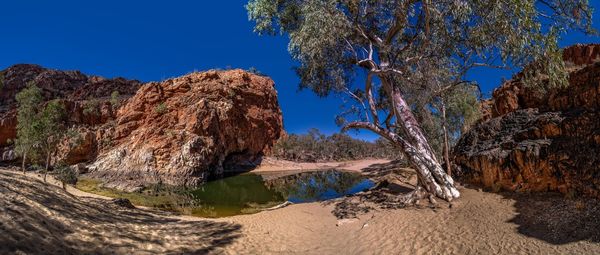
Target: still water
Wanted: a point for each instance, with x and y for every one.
(249, 193)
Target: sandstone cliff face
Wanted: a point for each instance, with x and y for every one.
(179, 132)
(183, 130)
(530, 142)
(86, 100)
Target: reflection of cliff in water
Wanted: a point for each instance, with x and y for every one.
(250, 193)
(318, 185)
(233, 195)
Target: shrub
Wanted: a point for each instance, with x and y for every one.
(1, 80)
(91, 107)
(161, 108)
(115, 102)
(65, 175)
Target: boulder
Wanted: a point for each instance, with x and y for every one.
(539, 142)
(79, 169)
(184, 130)
(179, 132)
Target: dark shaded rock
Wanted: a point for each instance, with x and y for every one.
(123, 202)
(539, 142)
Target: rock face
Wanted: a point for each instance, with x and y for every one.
(533, 142)
(183, 130)
(179, 132)
(86, 99)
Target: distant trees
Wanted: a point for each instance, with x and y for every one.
(318, 147)
(40, 128)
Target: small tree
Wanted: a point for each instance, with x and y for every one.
(65, 175)
(115, 100)
(28, 123)
(52, 130)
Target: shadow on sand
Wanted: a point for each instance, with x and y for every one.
(552, 218)
(36, 218)
(549, 217)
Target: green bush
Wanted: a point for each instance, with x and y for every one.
(115, 102)
(65, 175)
(91, 107)
(1, 80)
(161, 108)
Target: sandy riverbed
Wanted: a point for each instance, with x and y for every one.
(36, 219)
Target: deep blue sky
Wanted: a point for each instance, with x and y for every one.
(154, 40)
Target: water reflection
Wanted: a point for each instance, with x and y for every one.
(249, 193)
(319, 185)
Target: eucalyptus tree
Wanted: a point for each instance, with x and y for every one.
(28, 124)
(52, 130)
(393, 45)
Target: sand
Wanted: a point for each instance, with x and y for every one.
(33, 215)
(277, 165)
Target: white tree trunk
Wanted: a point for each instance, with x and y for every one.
(420, 155)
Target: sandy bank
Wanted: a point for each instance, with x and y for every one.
(38, 219)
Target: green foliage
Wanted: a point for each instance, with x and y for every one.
(29, 126)
(91, 107)
(1, 80)
(39, 129)
(65, 175)
(115, 100)
(74, 137)
(161, 108)
(254, 70)
(315, 146)
(52, 120)
(416, 49)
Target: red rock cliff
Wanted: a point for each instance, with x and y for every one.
(85, 98)
(179, 131)
(183, 130)
(546, 142)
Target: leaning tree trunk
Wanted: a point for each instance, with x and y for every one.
(431, 175)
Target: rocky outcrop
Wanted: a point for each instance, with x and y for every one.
(86, 98)
(512, 95)
(183, 130)
(180, 131)
(539, 142)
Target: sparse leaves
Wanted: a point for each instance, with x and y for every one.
(115, 100)
(161, 108)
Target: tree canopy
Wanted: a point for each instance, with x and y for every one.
(412, 54)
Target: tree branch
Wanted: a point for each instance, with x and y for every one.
(391, 136)
(370, 100)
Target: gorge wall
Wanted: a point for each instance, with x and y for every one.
(531, 141)
(180, 131)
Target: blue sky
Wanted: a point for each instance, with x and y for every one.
(155, 40)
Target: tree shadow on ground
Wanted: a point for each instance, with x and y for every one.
(552, 218)
(393, 180)
(37, 218)
(394, 169)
